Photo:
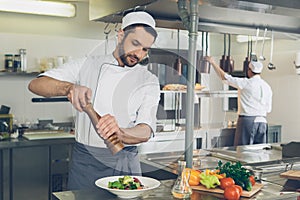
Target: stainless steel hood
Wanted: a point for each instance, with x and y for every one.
(219, 16)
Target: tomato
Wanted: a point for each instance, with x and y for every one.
(239, 188)
(232, 193)
(225, 182)
(252, 180)
(194, 176)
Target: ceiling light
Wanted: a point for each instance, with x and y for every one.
(37, 7)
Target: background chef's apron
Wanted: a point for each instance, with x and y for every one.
(91, 163)
(248, 131)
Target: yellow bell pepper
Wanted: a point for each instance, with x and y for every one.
(194, 176)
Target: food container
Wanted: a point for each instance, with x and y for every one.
(9, 62)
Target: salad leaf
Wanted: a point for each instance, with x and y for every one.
(126, 183)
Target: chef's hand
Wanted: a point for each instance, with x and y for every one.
(107, 125)
(209, 59)
(79, 96)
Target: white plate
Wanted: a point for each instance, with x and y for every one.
(149, 184)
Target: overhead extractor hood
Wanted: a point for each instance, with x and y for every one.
(221, 16)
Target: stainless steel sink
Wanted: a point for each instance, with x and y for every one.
(201, 159)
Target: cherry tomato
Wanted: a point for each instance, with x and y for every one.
(231, 193)
(225, 182)
(252, 180)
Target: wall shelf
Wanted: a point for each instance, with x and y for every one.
(3, 73)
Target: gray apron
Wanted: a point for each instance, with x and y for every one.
(250, 132)
(91, 163)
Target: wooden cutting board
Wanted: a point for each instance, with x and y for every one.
(291, 174)
(257, 187)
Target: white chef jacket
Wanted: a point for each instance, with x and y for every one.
(131, 94)
(254, 96)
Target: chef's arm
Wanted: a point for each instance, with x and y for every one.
(139, 133)
(49, 87)
(45, 86)
(216, 67)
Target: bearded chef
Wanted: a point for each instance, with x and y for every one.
(122, 91)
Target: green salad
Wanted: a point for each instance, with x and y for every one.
(126, 183)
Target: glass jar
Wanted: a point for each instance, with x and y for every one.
(9, 62)
(17, 63)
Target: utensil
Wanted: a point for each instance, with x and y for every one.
(223, 59)
(149, 185)
(261, 57)
(253, 54)
(271, 65)
(113, 143)
(229, 63)
(246, 61)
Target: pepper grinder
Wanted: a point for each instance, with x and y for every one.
(113, 143)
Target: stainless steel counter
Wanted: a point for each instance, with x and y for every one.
(269, 191)
(272, 165)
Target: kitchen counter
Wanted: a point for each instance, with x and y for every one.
(23, 142)
(206, 137)
(269, 191)
(272, 166)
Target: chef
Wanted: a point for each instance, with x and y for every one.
(121, 90)
(254, 102)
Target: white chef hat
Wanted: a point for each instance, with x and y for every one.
(139, 17)
(256, 67)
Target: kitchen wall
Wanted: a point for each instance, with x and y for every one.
(42, 37)
(49, 37)
(76, 37)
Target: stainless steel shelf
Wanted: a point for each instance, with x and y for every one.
(205, 93)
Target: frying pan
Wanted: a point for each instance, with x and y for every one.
(222, 60)
(229, 63)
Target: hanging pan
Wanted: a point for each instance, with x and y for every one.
(229, 63)
(204, 67)
(246, 61)
(178, 63)
(222, 60)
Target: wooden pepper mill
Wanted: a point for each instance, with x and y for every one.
(113, 143)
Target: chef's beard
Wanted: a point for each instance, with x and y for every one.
(124, 56)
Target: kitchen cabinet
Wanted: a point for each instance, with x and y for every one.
(220, 137)
(29, 173)
(33, 169)
(224, 137)
(274, 133)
